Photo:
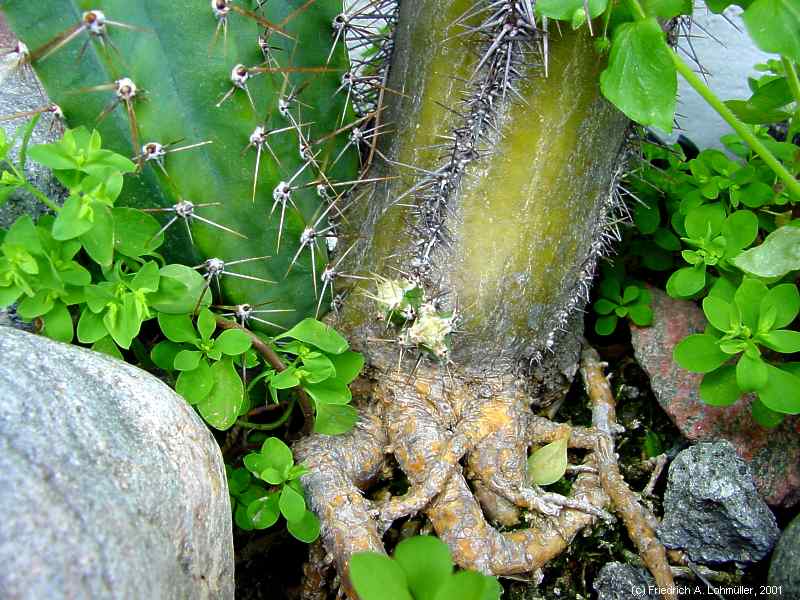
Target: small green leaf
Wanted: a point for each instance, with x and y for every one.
(641, 315)
(699, 353)
(781, 392)
(255, 462)
(278, 455)
(72, 220)
(195, 385)
(427, 564)
(317, 368)
(233, 342)
(222, 405)
(264, 512)
(317, 334)
(776, 256)
(469, 585)
(378, 577)
(348, 365)
(739, 230)
(58, 324)
(751, 373)
(272, 476)
(305, 529)
(784, 299)
(107, 346)
(564, 10)
(604, 306)
(163, 354)
(146, 278)
(99, 240)
(719, 387)
(284, 380)
(206, 323)
(767, 418)
(292, 504)
(641, 79)
(334, 419)
(630, 294)
(179, 287)
(135, 233)
(91, 327)
(34, 306)
(718, 312)
(773, 25)
(549, 463)
(330, 391)
(748, 299)
(785, 341)
(187, 360)
(652, 444)
(667, 9)
(177, 328)
(606, 325)
(687, 281)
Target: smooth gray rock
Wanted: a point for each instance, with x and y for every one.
(712, 509)
(784, 570)
(618, 581)
(110, 484)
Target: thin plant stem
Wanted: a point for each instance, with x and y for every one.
(794, 86)
(723, 111)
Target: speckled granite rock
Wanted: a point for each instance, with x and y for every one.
(712, 509)
(110, 485)
(784, 569)
(773, 455)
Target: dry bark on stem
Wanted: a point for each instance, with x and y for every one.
(276, 363)
(637, 519)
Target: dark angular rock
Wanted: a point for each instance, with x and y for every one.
(773, 454)
(784, 570)
(618, 581)
(712, 509)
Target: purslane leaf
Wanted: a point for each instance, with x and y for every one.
(699, 353)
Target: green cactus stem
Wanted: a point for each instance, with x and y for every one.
(212, 72)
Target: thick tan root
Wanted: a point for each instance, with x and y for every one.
(430, 424)
(638, 520)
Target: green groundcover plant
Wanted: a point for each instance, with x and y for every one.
(421, 569)
(91, 273)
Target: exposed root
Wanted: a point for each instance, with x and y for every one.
(638, 520)
(432, 425)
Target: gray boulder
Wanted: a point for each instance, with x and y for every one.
(110, 484)
(712, 509)
(618, 581)
(784, 570)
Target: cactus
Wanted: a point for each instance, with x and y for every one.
(498, 195)
(473, 244)
(194, 90)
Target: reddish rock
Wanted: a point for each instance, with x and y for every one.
(773, 454)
